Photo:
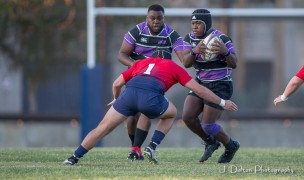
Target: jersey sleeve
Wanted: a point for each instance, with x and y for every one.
(132, 35)
(187, 44)
(128, 74)
(228, 42)
(177, 41)
(300, 74)
(183, 76)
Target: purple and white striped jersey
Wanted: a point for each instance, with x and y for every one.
(214, 69)
(145, 43)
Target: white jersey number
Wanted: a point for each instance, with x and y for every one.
(148, 71)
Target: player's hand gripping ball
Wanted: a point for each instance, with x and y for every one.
(208, 41)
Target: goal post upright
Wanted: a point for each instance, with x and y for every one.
(92, 80)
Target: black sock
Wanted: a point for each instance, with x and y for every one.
(132, 136)
(230, 144)
(140, 137)
(210, 140)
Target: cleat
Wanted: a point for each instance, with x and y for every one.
(150, 154)
(141, 157)
(209, 150)
(228, 155)
(71, 160)
(135, 154)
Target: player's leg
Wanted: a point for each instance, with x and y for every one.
(141, 133)
(142, 130)
(193, 106)
(212, 112)
(110, 121)
(131, 126)
(163, 127)
(209, 124)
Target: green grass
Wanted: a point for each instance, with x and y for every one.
(174, 163)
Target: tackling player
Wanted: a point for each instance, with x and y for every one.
(146, 83)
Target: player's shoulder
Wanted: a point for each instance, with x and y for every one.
(138, 29)
(221, 35)
(301, 70)
(170, 63)
(189, 36)
(142, 25)
(169, 30)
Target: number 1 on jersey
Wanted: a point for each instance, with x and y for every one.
(148, 71)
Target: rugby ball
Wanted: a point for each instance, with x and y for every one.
(211, 38)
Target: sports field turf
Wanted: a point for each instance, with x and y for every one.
(174, 163)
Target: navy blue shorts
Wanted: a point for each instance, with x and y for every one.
(223, 89)
(133, 100)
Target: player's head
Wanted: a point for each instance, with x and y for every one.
(163, 53)
(155, 18)
(201, 21)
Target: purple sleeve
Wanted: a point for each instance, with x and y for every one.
(128, 38)
(132, 35)
(178, 45)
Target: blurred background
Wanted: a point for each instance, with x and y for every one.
(46, 98)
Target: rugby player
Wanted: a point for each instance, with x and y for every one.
(146, 82)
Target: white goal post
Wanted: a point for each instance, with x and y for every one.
(93, 11)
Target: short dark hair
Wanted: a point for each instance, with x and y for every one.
(156, 7)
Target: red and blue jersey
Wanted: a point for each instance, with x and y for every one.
(300, 74)
(165, 72)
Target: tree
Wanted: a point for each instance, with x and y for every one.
(42, 38)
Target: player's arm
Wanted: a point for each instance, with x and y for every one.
(180, 56)
(291, 87)
(219, 47)
(189, 58)
(231, 59)
(116, 88)
(190, 54)
(124, 53)
(205, 93)
(178, 45)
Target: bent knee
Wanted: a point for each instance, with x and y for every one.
(171, 111)
(211, 129)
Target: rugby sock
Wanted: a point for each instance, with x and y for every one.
(132, 137)
(210, 140)
(157, 138)
(140, 137)
(230, 145)
(80, 151)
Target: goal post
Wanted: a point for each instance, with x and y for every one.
(93, 12)
(92, 103)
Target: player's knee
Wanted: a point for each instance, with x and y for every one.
(172, 110)
(211, 129)
(188, 118)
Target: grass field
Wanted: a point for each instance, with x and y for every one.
(174, 163)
